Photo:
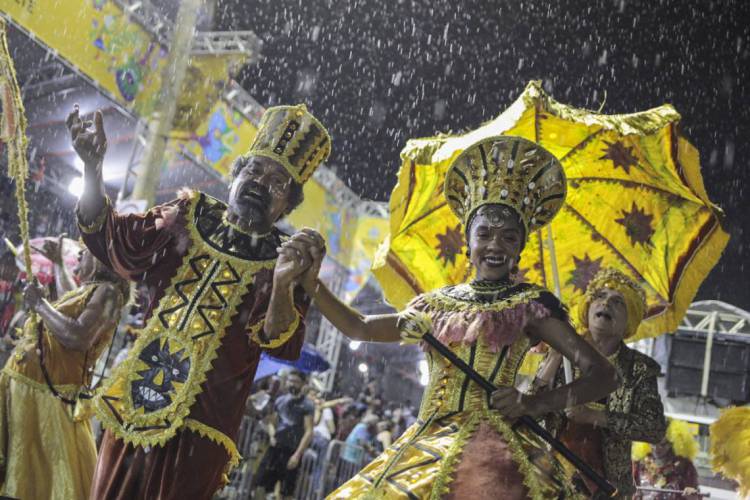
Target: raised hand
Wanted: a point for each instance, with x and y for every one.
(91, 145)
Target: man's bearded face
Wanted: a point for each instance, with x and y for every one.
(260, 190)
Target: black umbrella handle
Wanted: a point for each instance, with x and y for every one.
(529, 422)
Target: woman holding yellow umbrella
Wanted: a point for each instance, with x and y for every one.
(635, 202)
(463, 444)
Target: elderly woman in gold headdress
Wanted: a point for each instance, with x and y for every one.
(602, 433)
(47, 449)
(463, 444)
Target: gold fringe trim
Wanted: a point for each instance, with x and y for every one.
(530, 480)
(217, 437)
(445, 476)
(96, 225)
(445, 303)
(274, 343)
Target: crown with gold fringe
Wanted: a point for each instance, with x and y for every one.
(292, 136)
(508, 171)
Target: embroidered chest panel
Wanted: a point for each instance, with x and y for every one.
(450, 390)
(150, 394)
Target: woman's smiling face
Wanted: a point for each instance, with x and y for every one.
(495, 241)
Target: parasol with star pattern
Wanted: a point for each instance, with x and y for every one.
(636, 201)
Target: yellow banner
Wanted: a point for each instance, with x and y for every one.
(126, 61)
(101, 41)
(205, 81)
(224, 135)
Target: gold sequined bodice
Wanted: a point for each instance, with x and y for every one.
(449, 390)
(484, 326)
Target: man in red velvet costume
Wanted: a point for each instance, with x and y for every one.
(219, 295)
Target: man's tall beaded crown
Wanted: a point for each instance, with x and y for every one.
(509, 171)
(292, 136)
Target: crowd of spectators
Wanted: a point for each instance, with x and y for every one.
(297, 416)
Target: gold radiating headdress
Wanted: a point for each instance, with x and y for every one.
(293, 137)
(508, 171)
(632, 292)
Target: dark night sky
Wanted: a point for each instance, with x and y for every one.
(378, 72)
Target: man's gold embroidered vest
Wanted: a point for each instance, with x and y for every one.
(149, 395)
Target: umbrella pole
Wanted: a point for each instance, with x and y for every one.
(567, 367)
(529, 422)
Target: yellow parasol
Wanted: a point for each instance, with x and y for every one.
(636, 202)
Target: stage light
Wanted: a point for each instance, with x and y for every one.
(362, 367)
(424, 372)
(354, 345)
(76, 186)
(78, 164)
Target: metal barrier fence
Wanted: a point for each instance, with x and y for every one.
(321, 470)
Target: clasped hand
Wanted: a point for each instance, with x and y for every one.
(300, 258)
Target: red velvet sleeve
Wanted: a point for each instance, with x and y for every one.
(133, 244)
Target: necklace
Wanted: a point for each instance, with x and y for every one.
(236, 227)
(485, 286)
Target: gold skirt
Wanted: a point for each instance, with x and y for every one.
(45, 453)
(427, 462)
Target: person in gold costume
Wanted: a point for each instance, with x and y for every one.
(47, 448)
(464, 444)
(602, 433)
